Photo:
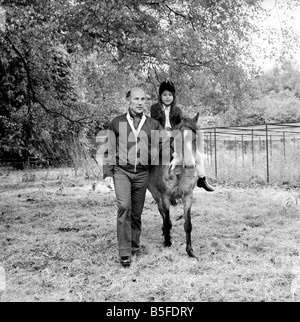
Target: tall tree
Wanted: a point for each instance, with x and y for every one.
(66, 65)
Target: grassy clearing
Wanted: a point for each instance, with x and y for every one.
(58, 243)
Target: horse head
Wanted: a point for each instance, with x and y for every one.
(189, 131)
(189, 123)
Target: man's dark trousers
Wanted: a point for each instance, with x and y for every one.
(130, 189)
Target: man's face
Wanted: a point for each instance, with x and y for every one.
(137, 101)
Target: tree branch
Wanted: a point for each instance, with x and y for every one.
(176, 13)
(197, 65)
(30, 86)
(32, 90)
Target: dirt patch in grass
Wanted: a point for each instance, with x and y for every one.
(58, 243)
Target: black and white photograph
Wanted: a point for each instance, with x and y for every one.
(149, 153)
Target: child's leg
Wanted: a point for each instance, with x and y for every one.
(200, 161)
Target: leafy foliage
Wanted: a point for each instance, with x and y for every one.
(35, 79)
(274, 96)
(66, 66)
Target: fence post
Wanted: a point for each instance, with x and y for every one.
(206, 148)
(284, 146)
(235, 149)
(210, 151)
(252, 138)
(267, 153)
(216, 162)
(243, 158)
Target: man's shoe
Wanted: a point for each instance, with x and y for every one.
(202, 183)
(125, 261)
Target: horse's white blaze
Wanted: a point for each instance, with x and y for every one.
(189, 157)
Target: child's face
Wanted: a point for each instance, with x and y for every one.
(167, 98)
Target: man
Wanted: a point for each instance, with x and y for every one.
(127, 165)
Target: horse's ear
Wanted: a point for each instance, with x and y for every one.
(196, 118)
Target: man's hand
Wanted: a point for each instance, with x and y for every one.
(177, 160)
(109, 182)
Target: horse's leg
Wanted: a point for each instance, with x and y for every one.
(187, 204)
(167, 224)
(163, 208)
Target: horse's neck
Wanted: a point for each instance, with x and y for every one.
(182, 145)
(188, 149)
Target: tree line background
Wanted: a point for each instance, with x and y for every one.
(66, 65)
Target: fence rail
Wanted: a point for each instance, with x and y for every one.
(269, 151)
(21, 164)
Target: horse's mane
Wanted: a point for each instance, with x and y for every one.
(187, 122)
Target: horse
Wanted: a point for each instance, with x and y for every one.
(169, 183)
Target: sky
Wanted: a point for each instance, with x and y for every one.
(277, 19)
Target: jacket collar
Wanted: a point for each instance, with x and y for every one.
(168, 108)
(130, 121)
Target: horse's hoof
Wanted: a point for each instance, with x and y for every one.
(191, 254)
(167, 244)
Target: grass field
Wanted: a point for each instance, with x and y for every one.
(58, 243)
